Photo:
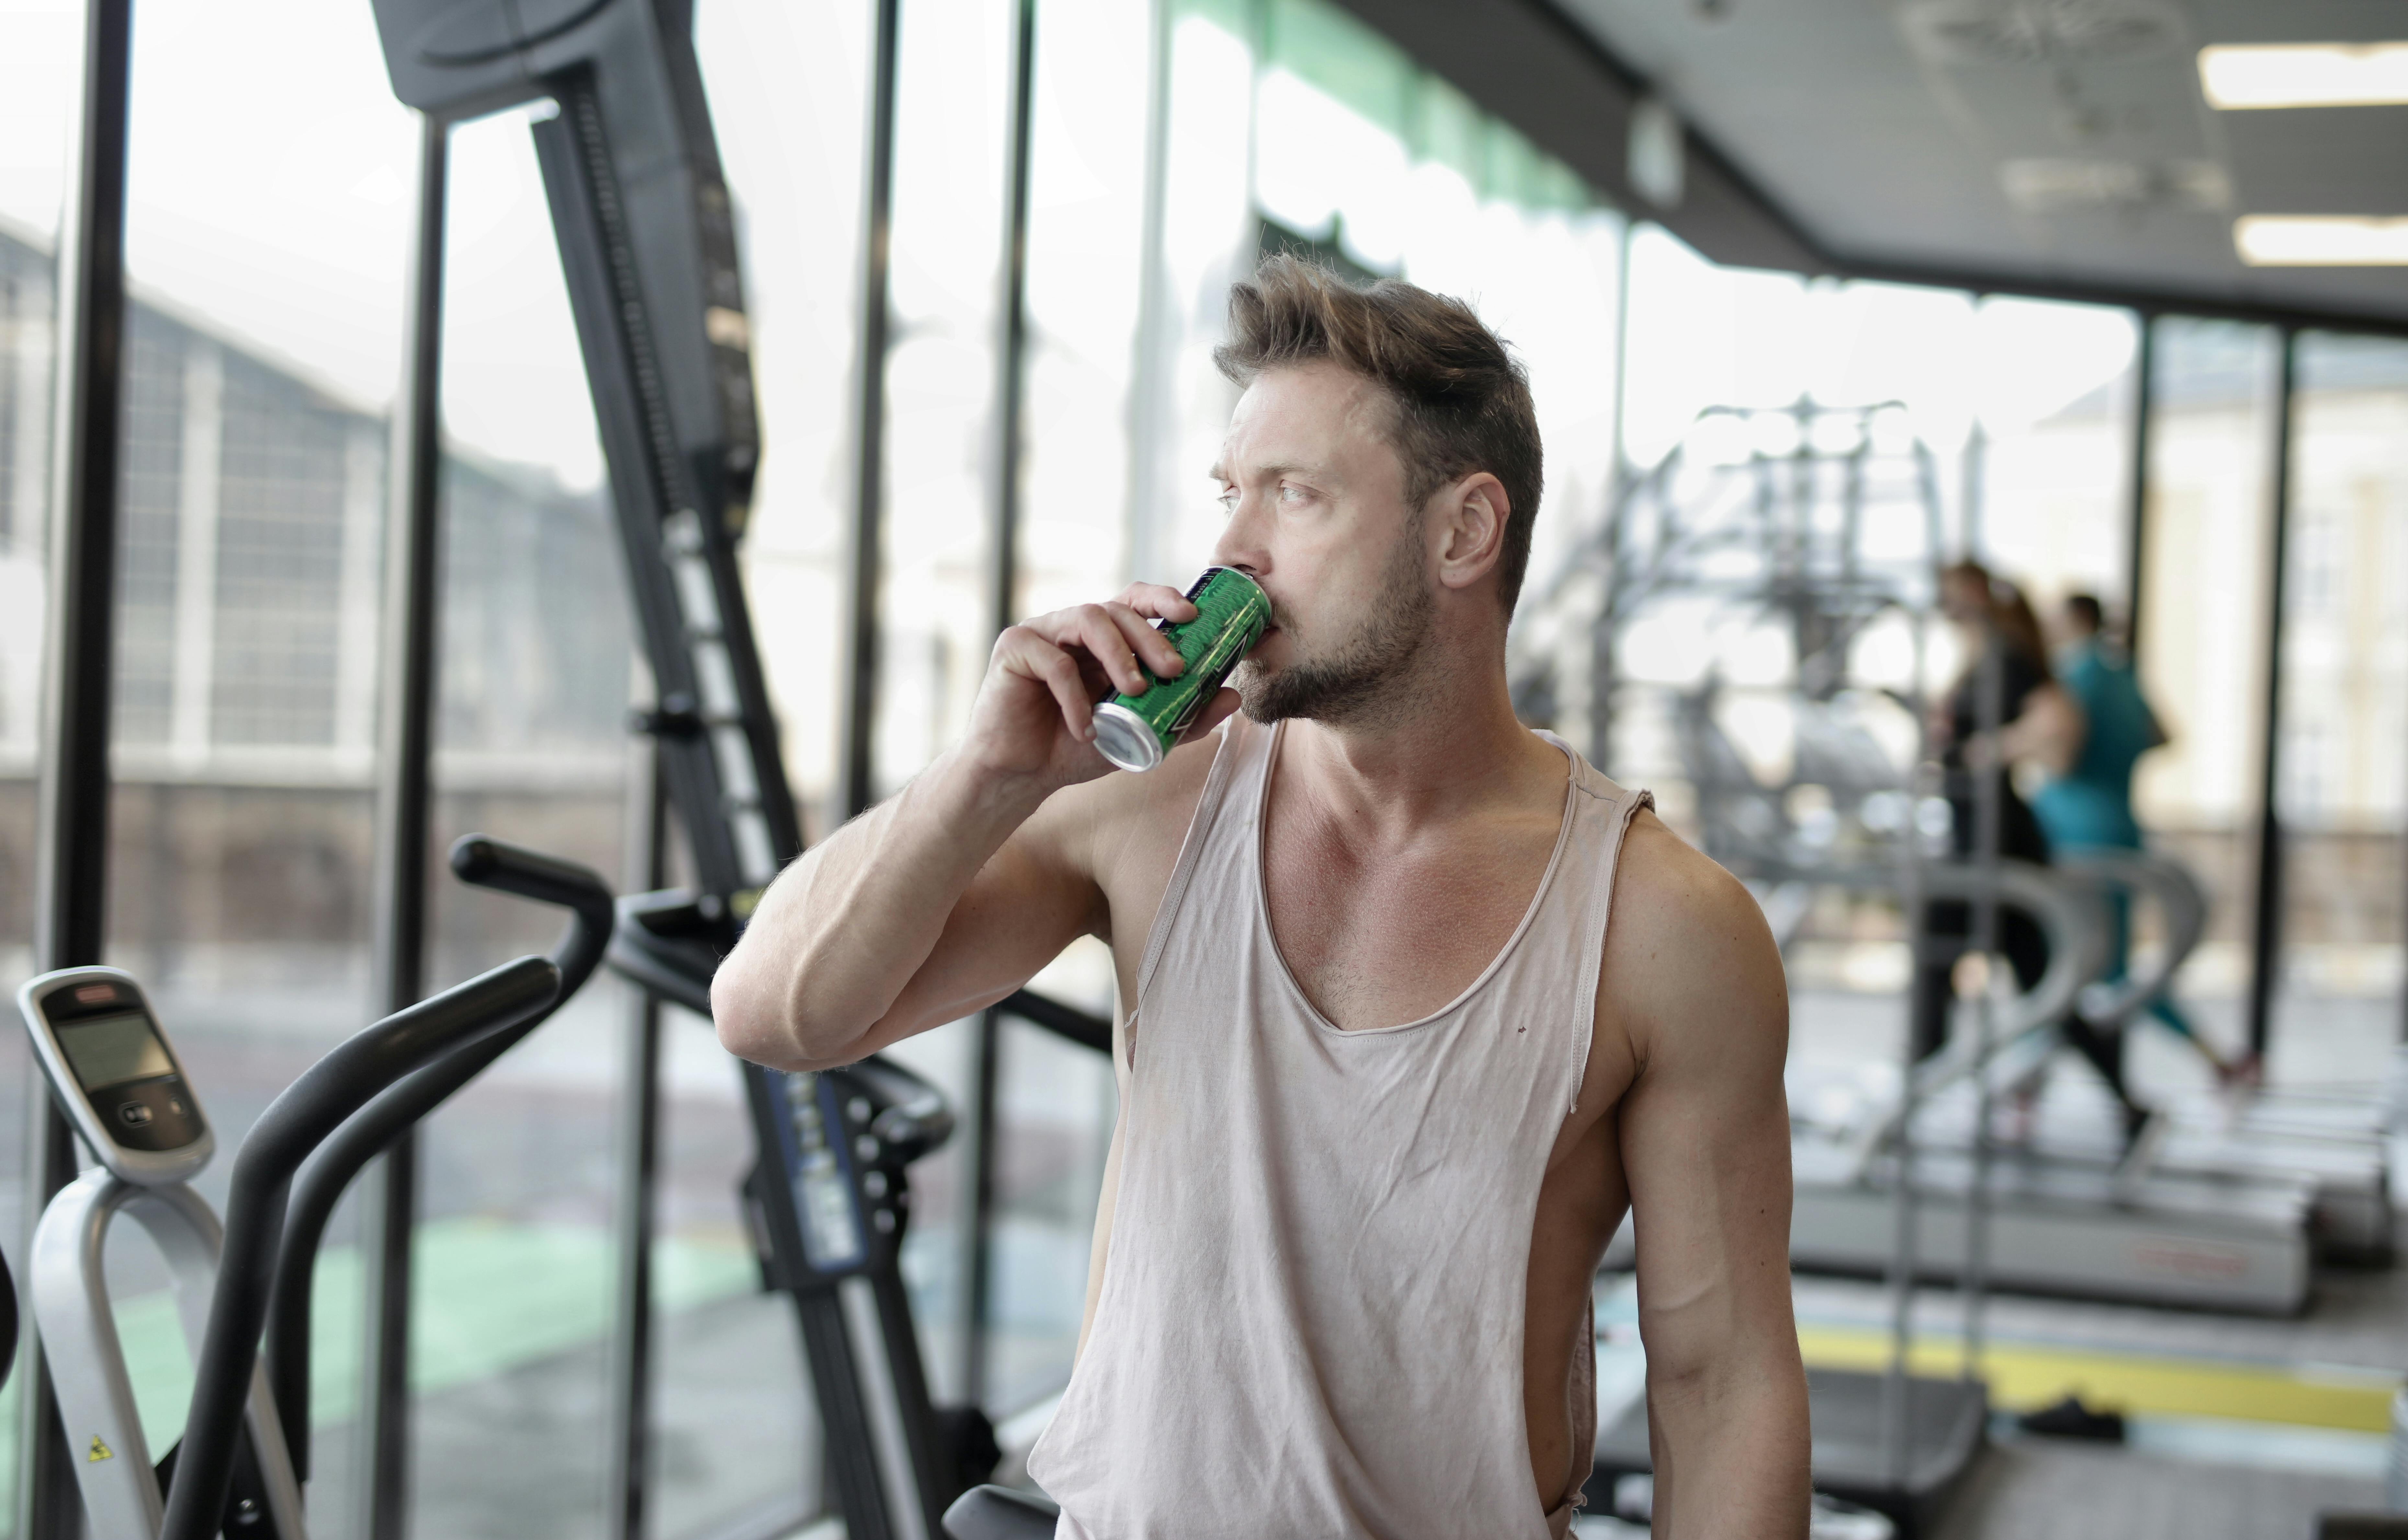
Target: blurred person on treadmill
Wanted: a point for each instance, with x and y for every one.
(2037, 720)
(2089, 801)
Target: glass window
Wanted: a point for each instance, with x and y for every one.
(2049, 459)
(736, 1430)
(736, 1435)
(265, 229)
(2201, 644)
(2341, 775)
(951, 130)
(794, 160)
(40, 47)
(511, 1312)
(1085, 264)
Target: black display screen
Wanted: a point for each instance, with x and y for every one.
(110, 1050)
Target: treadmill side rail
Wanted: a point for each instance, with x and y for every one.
(69, 1295)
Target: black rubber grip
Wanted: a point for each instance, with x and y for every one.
(484, 861)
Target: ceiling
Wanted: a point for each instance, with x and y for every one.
(2061, 144)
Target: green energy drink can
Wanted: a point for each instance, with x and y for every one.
(1134, 731)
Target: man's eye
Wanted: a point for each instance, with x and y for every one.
(1291, 493)
(1228, 499)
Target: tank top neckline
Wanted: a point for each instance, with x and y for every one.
(1322, 1024)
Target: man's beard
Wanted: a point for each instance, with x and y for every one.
(1355, 684)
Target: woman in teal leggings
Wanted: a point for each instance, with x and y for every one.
(2091, 804)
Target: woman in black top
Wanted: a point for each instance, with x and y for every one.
(2036, 720)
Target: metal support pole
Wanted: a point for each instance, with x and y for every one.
(412, 589)
(72, 833)
(1011, 342)
(1003, 599)
(2136, 494)
(979, 1292)
(1152, 423)
(2266, 929)
(1621, 487)
(1895, 1415)
(1989, 828)
(636, 1217)
(869, 409)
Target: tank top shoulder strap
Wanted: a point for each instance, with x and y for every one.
(1601, 815)
(1230, 786)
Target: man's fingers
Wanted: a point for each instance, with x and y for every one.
(1159, 601)
(1119, 636)
(1152, 647)
(1099, 631)
(1216, 711)
(1095, 631)
(1026, 651)
(1060, 673)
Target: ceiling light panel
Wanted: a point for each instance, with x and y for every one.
(2320, 240)
(2240, 78)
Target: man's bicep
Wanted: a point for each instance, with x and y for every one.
(1705, 1142)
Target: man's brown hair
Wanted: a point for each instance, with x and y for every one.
(1463, 403)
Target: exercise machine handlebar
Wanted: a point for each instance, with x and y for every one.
(295, 1123)
(483, 862)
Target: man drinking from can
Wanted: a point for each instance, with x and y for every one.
(1389, 1078)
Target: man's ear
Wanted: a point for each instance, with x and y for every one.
(1469, 520)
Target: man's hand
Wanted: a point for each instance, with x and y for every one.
(1032, 719)
(951, 894)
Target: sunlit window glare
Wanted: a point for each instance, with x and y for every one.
(2240, 78)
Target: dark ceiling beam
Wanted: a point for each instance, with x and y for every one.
(1530, 63)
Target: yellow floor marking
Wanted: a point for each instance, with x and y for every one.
(2022, 1376)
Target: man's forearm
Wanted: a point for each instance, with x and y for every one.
(1732, 1450)
(840, 933)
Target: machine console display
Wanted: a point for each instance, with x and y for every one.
(113, 1071)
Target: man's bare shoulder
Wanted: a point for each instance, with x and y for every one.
(1690, 963)
(1123, 829)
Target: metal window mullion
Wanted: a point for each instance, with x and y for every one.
(856, 790)
(413, 577)
(636, 1219)
(1150, 419)
(2136, 496)
(72, 829)
(2266, 928)
(1003, 590)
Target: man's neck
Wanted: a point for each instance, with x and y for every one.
(1452, 747)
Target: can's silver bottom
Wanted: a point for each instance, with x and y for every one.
(1124, 738)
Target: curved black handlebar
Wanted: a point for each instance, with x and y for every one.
(486, 863)
(666, 944)
(294, 1124)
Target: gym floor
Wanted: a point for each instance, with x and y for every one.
(2237, 1426)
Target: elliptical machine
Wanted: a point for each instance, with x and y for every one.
(239, 1466)
(246, 1452)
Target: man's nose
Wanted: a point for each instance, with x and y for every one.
(1242, 543)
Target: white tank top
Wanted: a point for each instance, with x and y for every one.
(1310, 1322)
